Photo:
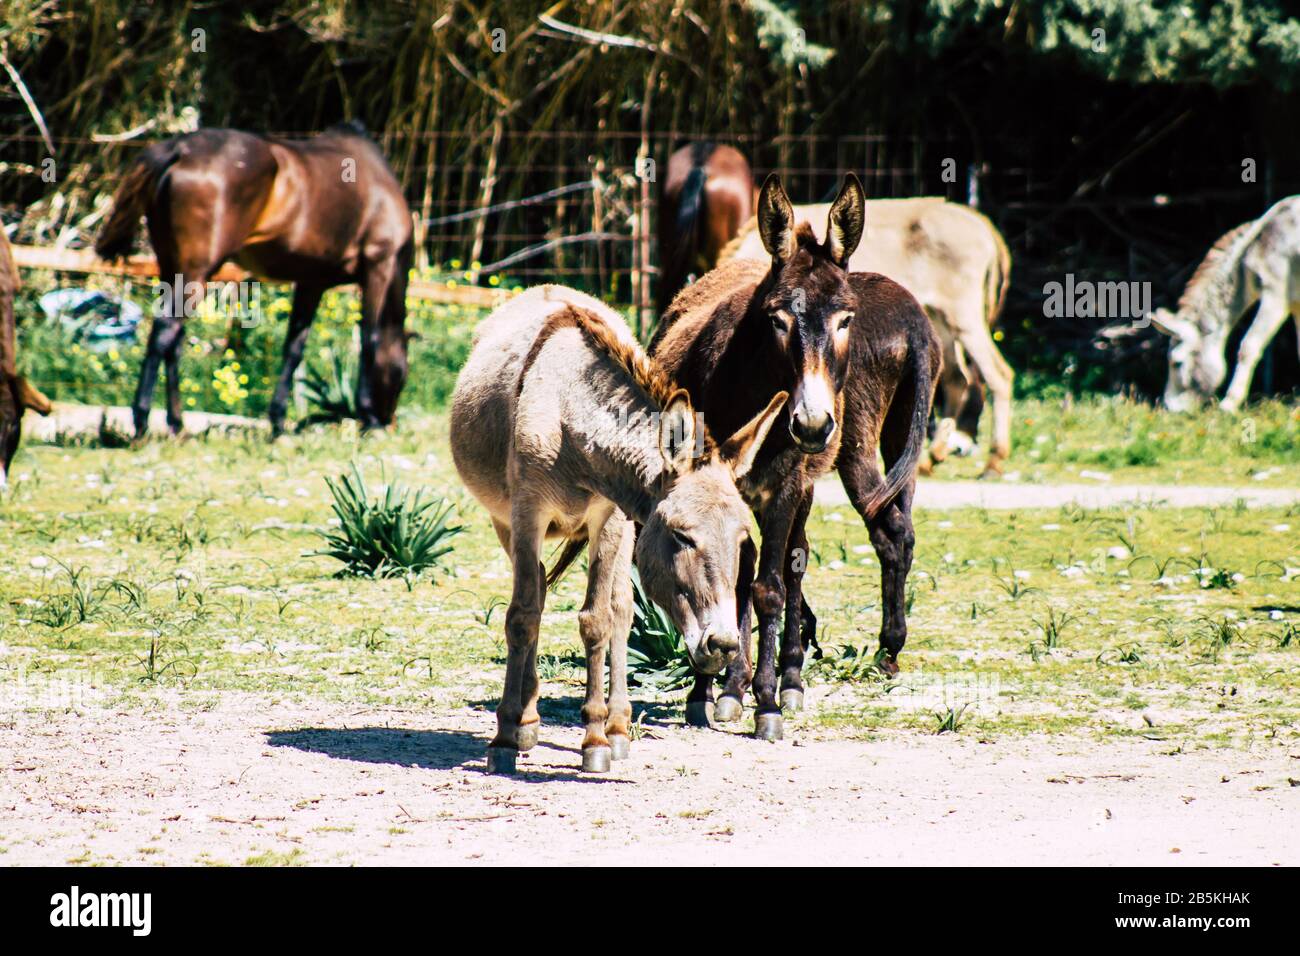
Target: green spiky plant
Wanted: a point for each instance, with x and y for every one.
(330, 388)
(656, 653)
(399, 534)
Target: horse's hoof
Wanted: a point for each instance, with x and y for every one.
(501, 760)
(526, 737)
(620, 748)
(768, 727)
(792, 700)
(699, 713)
(596, 759)
(727, 709)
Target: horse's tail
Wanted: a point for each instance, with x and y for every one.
(131, 198)
(686, 230)
(999, 277)
(919, 343)
(568, 554)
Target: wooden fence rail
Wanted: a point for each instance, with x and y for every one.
(85, 261)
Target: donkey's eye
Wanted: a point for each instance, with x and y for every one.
(782, 320)
(683, 539)
(842, 320)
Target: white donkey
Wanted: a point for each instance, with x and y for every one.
(1258, 261)
(562, 426)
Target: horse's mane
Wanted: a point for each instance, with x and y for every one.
(1210, 263)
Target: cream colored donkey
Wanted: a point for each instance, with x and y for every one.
(561, 426)
(1258, 261)
(957, 265)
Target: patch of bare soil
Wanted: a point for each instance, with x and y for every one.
(1015, 496)
(250, 779)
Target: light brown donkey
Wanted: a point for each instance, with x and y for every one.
(561, 426)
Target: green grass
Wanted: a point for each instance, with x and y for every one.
(129, 574)
(1130, 441)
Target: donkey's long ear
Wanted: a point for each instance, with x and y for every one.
(1166, 323)
(29, 396)
(677, 432)
(776, 219)
(740, 450)
(845, 222)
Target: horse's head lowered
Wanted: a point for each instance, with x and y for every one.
(809, 304)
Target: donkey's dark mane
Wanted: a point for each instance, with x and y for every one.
(1213, 257)
(644, 371)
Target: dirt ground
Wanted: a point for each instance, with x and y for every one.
(1013, 495)
(245, 779)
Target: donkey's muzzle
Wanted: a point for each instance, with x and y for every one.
(717, 649)
(811, 433)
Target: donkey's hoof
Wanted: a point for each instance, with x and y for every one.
(501, 760)
(768, 727)
(596, 759)
(620, 748)
(526, 737)
(727, 709)
(699, 713)
(792, 700)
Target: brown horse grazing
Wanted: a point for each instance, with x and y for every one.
(860, 358)
(319, 213)
(16, 393)
(708, 194)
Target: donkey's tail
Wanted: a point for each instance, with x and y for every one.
(568, 554)
(919, 346)
(999, 277)
(131, 198)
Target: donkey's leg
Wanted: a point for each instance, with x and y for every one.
(891, 529)
(530, 720)
(595, 626)
(954, 382)
(769, 602)
(1273, 310)
(893, 538)
(306, 298)
(374, 291)
(999, 378)
(739, 673)
(792, 637)
(618, 728)
(522, 621)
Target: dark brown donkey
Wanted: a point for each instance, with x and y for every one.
(319, 213)
(16, 393)
(859, 358)
(708, 194)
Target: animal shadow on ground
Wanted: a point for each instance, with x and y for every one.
(424, 750)
(567, 712)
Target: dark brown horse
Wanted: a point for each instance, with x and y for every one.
(859, 358)
(16, 393)
(319, 213)
(708, 194)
